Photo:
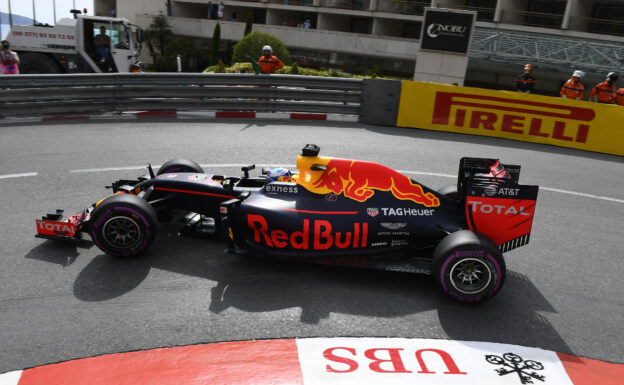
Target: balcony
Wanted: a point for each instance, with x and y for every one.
(483, 13)
(362, 5)
(404, 7)
(601, 26)
(532, 19)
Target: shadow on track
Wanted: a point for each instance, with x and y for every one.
(257, 285)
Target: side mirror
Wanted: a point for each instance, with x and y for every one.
(139, 35)
(246, 170)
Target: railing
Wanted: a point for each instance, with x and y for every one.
(570, 52)
(402, 6)
(346, 4)
(534, 19)
(483, 13)
(293, 2)
(23, 95)
(601, 26)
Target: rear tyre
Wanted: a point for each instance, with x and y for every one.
(468, 266)
(449, 191)
(123, 225)
(36, 63)
(179, 165)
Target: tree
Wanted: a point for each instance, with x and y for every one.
(194, 59)
(216, 42)
(158, 33)
(251, 46)
(248, 23)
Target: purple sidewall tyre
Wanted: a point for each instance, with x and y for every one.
(468, 267)
(123, 225)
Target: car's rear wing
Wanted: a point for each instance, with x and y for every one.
(469, 167)
(495, 203)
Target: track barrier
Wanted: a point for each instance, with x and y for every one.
(513, 115)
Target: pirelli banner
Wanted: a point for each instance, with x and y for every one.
(512, 115)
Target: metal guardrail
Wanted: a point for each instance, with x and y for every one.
(35, 95)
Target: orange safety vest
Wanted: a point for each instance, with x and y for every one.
(269, 65)
(604, 92)
(572, 90)
(619, 96)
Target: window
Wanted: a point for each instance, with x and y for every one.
(120, 36)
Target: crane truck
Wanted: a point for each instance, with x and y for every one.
(70, 45)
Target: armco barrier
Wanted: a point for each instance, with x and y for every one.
(64, 94)
(513, 115)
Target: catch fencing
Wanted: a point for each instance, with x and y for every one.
(66, 94)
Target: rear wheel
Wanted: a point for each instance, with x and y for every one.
(468, 266)
(123, 225)
(449, 191)
(36, 63)
(179, 165)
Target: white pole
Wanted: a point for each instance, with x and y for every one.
(179, 60)
(34, 14)
(54, 10)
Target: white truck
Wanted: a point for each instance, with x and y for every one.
(70, 46)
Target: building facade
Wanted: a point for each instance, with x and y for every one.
(556, 36)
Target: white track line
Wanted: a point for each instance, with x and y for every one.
(9, 176)
(427, 173)
(111, 169)
(217, 165)
(156, 167)
(582, 194)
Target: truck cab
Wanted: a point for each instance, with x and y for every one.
(69, 46)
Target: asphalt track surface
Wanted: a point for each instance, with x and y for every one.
(60, 302)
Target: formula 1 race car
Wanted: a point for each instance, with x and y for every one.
(336, 211)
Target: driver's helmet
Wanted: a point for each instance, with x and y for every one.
(279, 174)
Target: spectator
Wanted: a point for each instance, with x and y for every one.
(573, 89)
(9, 60)
(300, 24)
(102, 44)
(210, 9)
(526, 82)
(113, 12)
(267, 62)
(234, 14)
(168, 4)
(292, 23)
(605, 92)
(220, 10)
(619, 96)
(307, 24)
(285, 22)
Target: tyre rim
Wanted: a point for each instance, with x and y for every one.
(122, 232)
(470, 275)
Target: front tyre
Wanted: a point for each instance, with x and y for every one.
(123, 225)
(179, 165)
(468, 266)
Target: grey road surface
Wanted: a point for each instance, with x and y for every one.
(60, 302)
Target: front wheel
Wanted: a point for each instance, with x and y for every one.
(179, 165)
(468, 266)
(123, 225)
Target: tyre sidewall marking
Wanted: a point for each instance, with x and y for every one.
(445, 276)
(97, 227)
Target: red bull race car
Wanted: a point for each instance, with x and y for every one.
(334, 211)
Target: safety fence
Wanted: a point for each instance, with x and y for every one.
(36, 95)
